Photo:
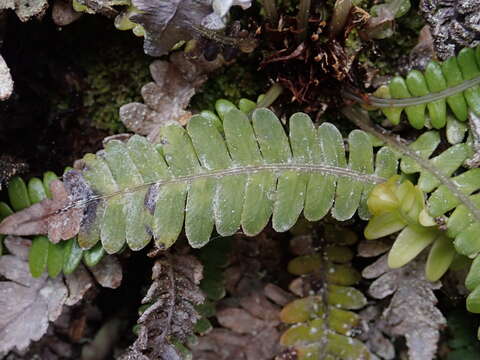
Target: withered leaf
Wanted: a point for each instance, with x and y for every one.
(166, 99)
(224, 344)
(168, 22)
(79, 283)
(171, 314)
(372, 248)
(239, 320)
(374, 336)
(249, 332)
(412, 312)
(50, 216)
(27, 304)
(108, 272)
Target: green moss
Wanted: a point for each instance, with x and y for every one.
(113, 79)
(388, 53)
(232, 82)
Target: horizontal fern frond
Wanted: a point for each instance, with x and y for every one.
(236, 175)
(454, 82)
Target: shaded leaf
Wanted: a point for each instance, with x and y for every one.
(248, 316)
(322, 323)
(63, 13)
(108, 272)
(463, 342)
(168, 22)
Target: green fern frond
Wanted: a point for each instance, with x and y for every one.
(463, 341)
(453, 82)
(214, 258)
(401, 207)
(226, 174)
(322, 324)
(460, 225)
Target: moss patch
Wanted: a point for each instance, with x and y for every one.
(233, 83)
(113, 80)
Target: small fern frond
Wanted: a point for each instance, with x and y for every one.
(322, 324)
(227, 175)
(454, 82)
(401, 207)
(453, 190)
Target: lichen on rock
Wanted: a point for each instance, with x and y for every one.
(6, 82)
(454, 24)
(25, 9)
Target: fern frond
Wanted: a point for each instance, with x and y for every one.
(454, 82)
(238, 174)
(322, 324)
(401, 207)
(457, 192)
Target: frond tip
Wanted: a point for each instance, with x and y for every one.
(234, 174)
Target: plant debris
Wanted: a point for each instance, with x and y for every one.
(166, 99)
(27, 304)
(26, 9)
(169, 22)
(249, 316)
(49, 216)
(412, 312)
(171, 312)
(10, 167)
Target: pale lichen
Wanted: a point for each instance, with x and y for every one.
(6, 82)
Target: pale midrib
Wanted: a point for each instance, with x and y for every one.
(412, 101)
(244, 170)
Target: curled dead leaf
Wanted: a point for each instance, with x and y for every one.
(412, 312)
(175, 82)
(6, 82)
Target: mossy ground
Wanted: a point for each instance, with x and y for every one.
(113, 79)
(240, 80)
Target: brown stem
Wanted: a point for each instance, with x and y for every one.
(302, 18)
(271, 10)
(341, 11)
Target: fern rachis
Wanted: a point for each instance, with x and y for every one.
(454, 82)
(236, 175)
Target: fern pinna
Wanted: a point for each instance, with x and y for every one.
(237, 174)
(323, 324)
(430, 214)
(453, 82)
